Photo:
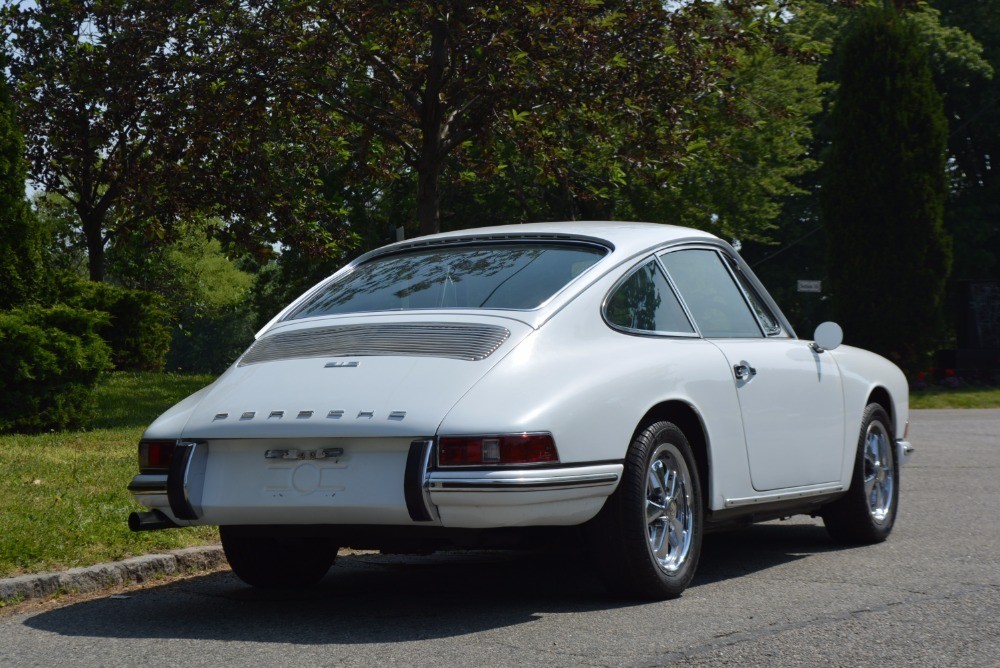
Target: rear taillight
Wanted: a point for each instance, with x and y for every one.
(497, 450)
(154, 456)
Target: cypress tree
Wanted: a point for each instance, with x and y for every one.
(884, 191)
(20, 236)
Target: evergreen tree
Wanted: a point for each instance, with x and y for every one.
(20, 243)
(883, 198)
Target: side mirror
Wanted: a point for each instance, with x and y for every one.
(828, 336)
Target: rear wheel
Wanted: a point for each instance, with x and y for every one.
(647, 538)
(867, 512)
(272, 562)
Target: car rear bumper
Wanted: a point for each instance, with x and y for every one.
(522, 497)
(388, 482)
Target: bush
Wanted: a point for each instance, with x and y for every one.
(52, 358)
(210, 344)
(138, 329)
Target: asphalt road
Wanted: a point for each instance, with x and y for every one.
(777, 594)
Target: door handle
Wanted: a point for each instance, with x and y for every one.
(744, 371)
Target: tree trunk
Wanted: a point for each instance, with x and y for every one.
(433, 130)
(428, 200)
(95, 246)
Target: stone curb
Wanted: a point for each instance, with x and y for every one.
(102, 576)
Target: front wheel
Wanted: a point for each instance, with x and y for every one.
(273, 562)
(647, 538)
(867, 512)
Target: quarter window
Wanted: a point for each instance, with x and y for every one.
(645, 302)
(710, 294)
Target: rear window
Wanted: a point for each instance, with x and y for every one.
(518, 276)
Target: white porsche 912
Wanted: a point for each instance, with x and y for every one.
(630, 384)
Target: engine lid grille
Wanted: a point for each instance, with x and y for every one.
(469, 342)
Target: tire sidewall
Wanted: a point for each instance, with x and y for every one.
(849, 519)
(639, 458)
(875, 413)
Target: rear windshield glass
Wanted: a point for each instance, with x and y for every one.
(487, 276)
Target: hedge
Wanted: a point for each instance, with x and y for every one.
(50, 362)
(138, 329)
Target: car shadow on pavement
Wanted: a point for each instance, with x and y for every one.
(375, 598)
(733, 554)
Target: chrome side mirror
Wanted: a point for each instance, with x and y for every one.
(828, 335)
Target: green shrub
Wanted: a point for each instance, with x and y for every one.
(138, 329)
(209, 344)
(52, 358)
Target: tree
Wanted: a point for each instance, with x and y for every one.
(972, 104)
(20, 237)
(128, 116)
(93, 85)
(885, 188)
(432, 86)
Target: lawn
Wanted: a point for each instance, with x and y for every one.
(963, 397)
(63, 500)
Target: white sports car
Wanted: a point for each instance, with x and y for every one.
(632, 385)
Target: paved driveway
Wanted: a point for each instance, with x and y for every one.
(778, 594)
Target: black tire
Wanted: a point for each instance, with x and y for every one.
(272, 562)
(641, 514)
(867, 512)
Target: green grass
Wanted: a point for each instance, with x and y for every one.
(957, 398)
(63, 500)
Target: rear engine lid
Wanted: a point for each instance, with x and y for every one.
(391, 377)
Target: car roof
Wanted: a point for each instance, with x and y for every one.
(624, 237)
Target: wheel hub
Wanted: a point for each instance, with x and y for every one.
(669, 515)
(880, 478)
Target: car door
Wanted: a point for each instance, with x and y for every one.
(790, 396)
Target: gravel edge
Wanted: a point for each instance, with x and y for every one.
(103, 576)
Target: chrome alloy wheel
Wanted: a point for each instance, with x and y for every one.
(880, 471)
(669, 516)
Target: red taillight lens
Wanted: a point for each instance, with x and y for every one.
(154, 456)
(496, 450)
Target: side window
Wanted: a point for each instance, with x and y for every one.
(645, 302)
(715, 302)
(764, 315)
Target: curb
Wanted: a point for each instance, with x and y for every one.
(103, 576)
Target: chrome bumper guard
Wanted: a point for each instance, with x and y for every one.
(903, 452)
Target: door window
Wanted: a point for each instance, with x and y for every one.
(713, 299)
